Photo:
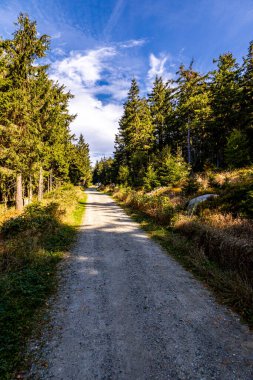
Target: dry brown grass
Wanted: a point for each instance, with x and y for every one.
(226, 240)
(236, 176)
(158, 207)
(6, 214)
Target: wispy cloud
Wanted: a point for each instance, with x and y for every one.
(58, 51)
(88, 74)
(84, 67)
(56, 36)
(133, 43)
(158, 67)
(115, 15)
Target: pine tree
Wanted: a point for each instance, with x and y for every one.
(192, 112)
(173, 169)
(18, 130)
(80, 168)
(159, 110)
(135, 134)
(237, 149)
(150, 180)
(225, 104)
(247, 96)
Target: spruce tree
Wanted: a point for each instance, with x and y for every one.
(225, 104)
(18, 128)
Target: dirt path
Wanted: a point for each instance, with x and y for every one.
(127, 311)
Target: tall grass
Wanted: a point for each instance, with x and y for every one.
(158, 207)
(32, 244)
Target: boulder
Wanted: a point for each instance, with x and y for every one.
(192, 205)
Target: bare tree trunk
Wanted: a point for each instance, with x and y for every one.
(19, 195)
(189, 145)
(5, 198)
(30, 190)
(50, 181)
(40, 190)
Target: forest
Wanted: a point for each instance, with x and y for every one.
(38, 152)
(192, 123)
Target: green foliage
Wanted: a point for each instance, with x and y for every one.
(34, 119)
(150, 180)
(123, 175)
(237, 149)
(103, 172)
(32, 245)
(80, 168)
(135, 139)
(160, 208)
(173, 170)
(193, 113)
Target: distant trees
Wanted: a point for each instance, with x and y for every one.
(185, 124)
(35, 140)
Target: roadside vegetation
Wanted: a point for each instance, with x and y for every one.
(192, 136)
(216, 245)
(40, 162)
(32, 244)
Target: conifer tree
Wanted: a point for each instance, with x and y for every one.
(157, 102)
(247, 96)
(80, 168)
(135, 134)
(192, 111)
(18, 129)
(225, 104)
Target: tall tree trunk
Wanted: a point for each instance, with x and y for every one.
(50, 181)
(19, 195)
(30, 190)
(5, 198)
(40, 190)
(189, 145)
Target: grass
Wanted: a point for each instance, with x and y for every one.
(230, 282)
(32, 245)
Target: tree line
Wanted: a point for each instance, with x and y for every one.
(35, 138)
(192, 122)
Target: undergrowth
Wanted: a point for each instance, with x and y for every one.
(31, 246)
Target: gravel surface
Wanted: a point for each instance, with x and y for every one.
(125, 310)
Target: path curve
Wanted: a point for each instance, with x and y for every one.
(127, 311)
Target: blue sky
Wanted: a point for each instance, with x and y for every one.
(97, 46)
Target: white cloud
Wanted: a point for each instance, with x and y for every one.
(98, 121)
(133, 43)
(158, 67)
(56, 36)
(84, 67)
(58, 51)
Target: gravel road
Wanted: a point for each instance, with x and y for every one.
(127, 311)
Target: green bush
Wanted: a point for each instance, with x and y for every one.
(173, 170)
(150, 180)
(159, 207)
(36, 217)
(237, 150)
(32, 244)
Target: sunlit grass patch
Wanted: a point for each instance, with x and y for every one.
(32, 245)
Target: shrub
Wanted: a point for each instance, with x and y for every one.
(173, 169)
(237, 149)
(150, 180)
(158, 207)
